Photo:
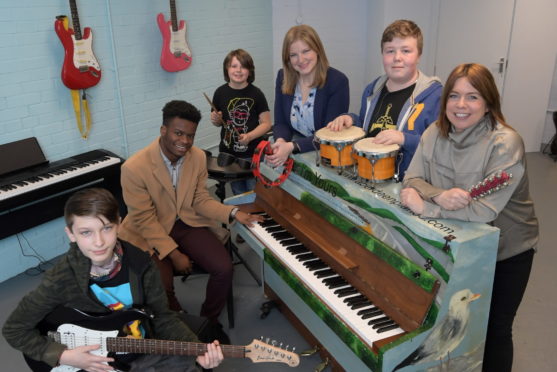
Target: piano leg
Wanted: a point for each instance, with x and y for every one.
(301, 328)
(266, 308)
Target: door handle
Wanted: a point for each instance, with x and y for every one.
(501, 65)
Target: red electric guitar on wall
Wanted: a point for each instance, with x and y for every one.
(175, 55)
(81, 69)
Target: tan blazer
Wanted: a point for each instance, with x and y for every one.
(154, 205)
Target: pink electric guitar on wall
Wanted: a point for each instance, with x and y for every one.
(81, 69)
(175, 55)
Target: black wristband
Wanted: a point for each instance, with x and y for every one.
(296, 149)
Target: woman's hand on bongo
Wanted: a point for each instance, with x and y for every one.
(216, 118)
(453, 199)
(340, 123)
(389, 137)
(410, 198)
(281, 151)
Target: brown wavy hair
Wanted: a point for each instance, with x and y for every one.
(245, 60)
(481, 79)
(403, 28)
(309, 36)
(93, 202)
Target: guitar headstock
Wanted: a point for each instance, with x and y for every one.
(259, 351)
(491, 184)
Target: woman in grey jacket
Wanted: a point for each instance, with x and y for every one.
(469, 143)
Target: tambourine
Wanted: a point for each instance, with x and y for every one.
(264, 148)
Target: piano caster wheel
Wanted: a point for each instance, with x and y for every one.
(310, 351)
(266, 308)
(321, 366)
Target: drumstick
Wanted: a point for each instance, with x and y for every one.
(214, 109)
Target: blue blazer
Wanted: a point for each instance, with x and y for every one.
(330, 101)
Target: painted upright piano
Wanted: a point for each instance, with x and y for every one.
(374, 286)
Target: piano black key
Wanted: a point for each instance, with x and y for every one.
(288, 242)
(387, 328)
(383, 324)
(365, 311)
(359, 305)
(282, 235)
(268, 223)
(372, 314)
(315, 264)
(333, 280)
(297, 249)
(378, 320)
(305, 257)
(343, 292)
(359, 301)
(275, 228)
(338, 284)
(351, 300)
(324, 273)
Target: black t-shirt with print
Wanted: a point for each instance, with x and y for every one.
(240, 110)
(387, 109)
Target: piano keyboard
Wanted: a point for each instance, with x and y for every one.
(365, 319)
(54, 176)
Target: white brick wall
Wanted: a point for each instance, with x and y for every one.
(126, 104)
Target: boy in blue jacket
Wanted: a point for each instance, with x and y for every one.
(398, 106)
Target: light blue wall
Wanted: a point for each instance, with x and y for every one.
(126, 104)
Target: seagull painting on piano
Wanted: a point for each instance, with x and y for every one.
(447, 335)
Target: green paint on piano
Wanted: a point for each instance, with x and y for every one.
(405, 266)
(339, 328)
(373, 360)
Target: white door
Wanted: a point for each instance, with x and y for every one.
(474, 31)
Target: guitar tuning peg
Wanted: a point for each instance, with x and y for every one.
(294, 349)
(286, 348)
(267, 340)
(280, 345)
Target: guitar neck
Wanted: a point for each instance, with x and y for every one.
(75, 20)
(173, 17)
(150, 346)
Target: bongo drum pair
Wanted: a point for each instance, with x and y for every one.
(342, 149)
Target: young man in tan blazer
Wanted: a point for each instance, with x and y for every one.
(170, 212)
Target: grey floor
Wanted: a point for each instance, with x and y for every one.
(534, 331)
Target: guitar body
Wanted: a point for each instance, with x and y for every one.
(175, 53)
(70, 322)
(80, 70)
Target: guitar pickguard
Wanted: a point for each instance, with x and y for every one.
(74, 336)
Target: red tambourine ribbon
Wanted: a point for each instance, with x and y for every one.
(264, 148)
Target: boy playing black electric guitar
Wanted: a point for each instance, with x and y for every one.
(101, 274)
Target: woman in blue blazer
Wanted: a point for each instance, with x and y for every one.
(308, 94)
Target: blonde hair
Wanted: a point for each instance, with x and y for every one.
(309, 36)
(481, 79)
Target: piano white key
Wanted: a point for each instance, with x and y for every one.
(21, 189)
(324, 293)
